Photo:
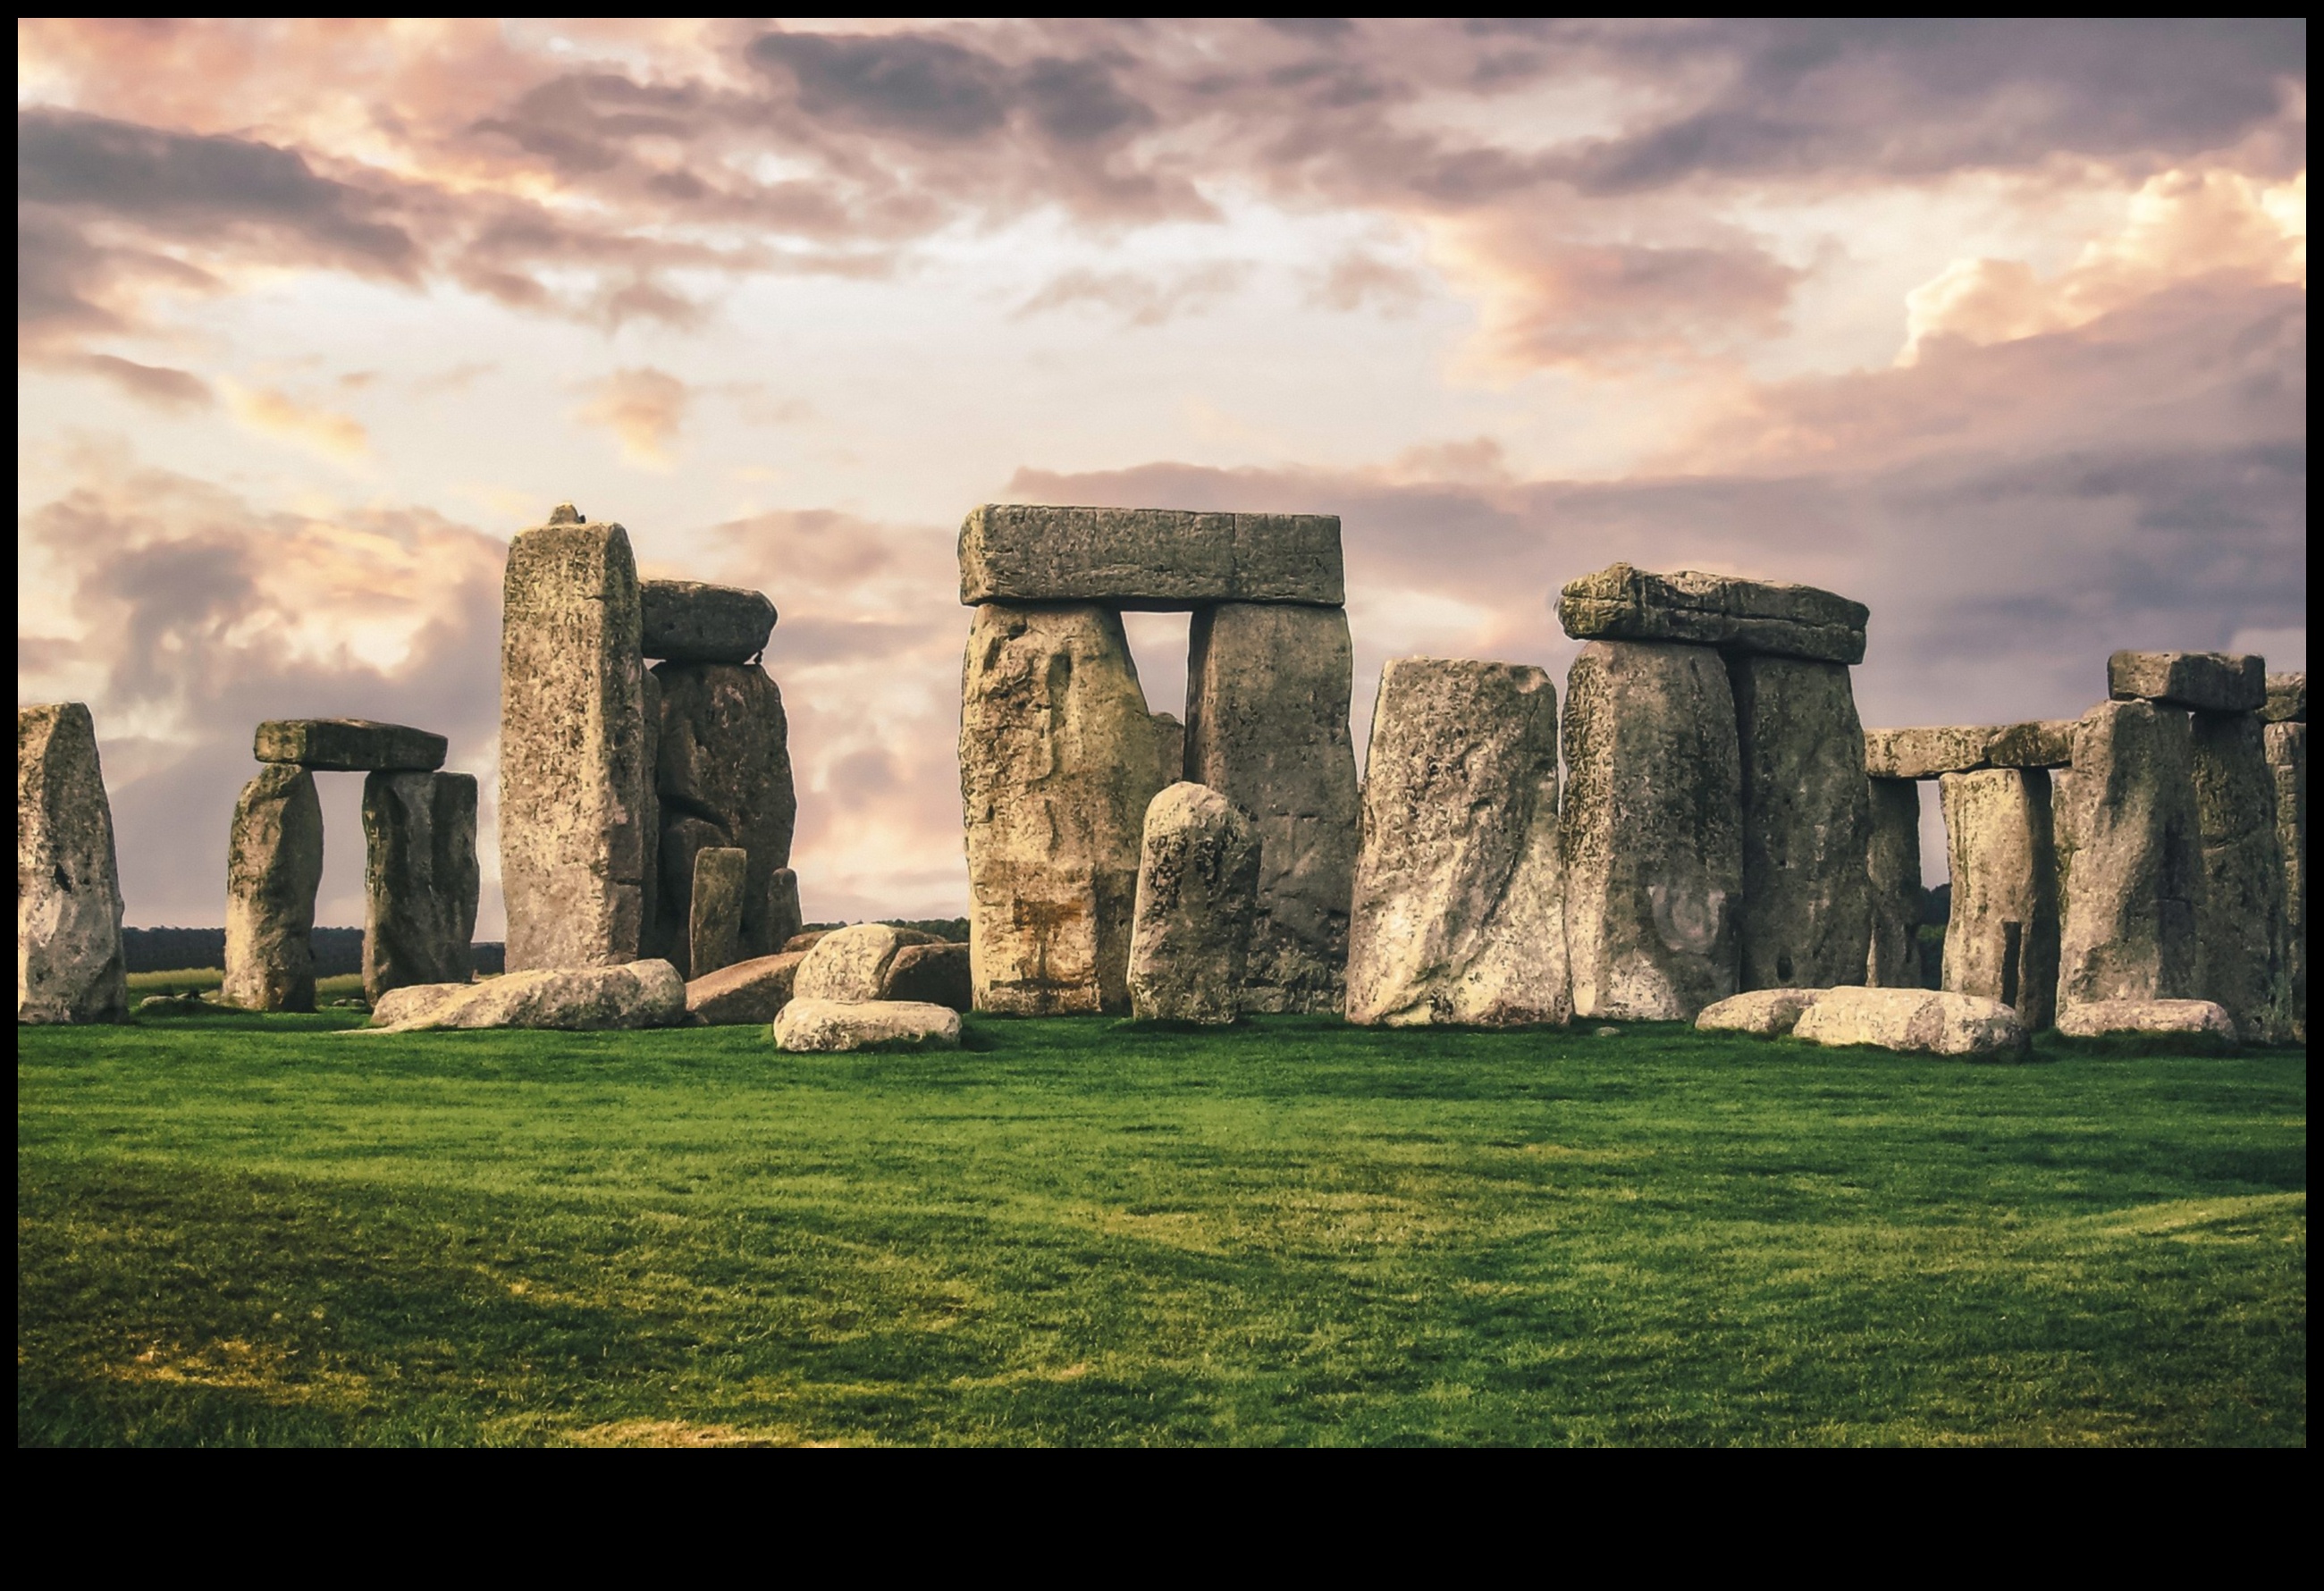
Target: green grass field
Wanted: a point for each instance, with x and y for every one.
(204, 980)
(242, 1229)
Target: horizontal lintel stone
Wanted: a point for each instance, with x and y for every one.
(1924, 753)
(1620, 602)
(2287, 698)
(2206, 681)
(2045, 742)
(1148, 558)
(689, 621)
(347, 745)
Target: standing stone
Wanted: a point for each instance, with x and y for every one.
(69, 965)
(1653, 833)
(2287, 698)
(575, 846)
(2130, 863)
(1892, 868)
(1058, 761)
(2239, 931)
(715, 923)
(1807, 815)
(420, 879)
(724, 778)
(1266, 727)
(1197, 902)
(2001, 942)
(651, 940)
(1458, 909)
(274, 862)
(2287, 760)
(783, 916)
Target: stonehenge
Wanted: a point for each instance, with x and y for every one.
(1763, 1013)
(2130, 863)
(274, 860)
(715, 910)
(1197, 896)
(2287, 763)
(2202, 682)
(1892, 868)
(68, 905)
(820, 1026)
(2002, 942)
(420, 879)
(2240, 960)
(639, 993)
(1806, 915)
(1916, 1020)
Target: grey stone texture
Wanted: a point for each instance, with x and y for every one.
(2002, 938)
(69, 904)
(2130, 863)
(1653, 831)
(929, 975)
(347, 745)
(852, 963)
(1059, 757)
(2287, 698)
(1892, 870)
(1619, 603)
(746, 994)
(576, 788)
(1197, 898)
(2239, 929)
(274, 862)
(1916, 1021)
(2287, 762)
(813, 1026)
(2046, 742)
(1806, 914)
(2194, 1017)
(1925, 752)
(1459, 911)
(1763, 1013)
(420, 879)
(1266, 727)
(689, 621)
(1148, 558)
(2206, 681)
(724, 778)
(713, 937)
(1169, 748)
(638, 994)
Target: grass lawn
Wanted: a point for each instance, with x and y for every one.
(206, 980)
(241, 1229)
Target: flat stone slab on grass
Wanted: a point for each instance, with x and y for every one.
(642, 994)
(348, 745)
(1620, 602)
(2206, 681)
(2187, 1016)
(747, 993)
(689, 622)
(1763, 1013)
(834, 1026)
(1917, 1021)
(1148, 558)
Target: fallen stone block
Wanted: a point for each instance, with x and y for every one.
(1918, 1021)
(688, 621)
(2194, 1017)
(69, 904)
(1924, 753)
(2287, 698)
(274, 862)
(1197, 896)
(928, 975)
(642, 994)
(1619, 603)
(746, 993)
(1892, 869)
(828, 1027)
(1148, 558)
(851, 963)
(348, 745)
(1763, 1013)
(2130, 859)
(2206, 681)
(2002, 935)
(2043, 743)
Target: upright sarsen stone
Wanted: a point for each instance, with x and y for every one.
(575, 843)
(1197, 896)
(1266, 727)
(420, 879)
(1807, 912)
(724, 778)
(1458, 910)
(715, 926)
(274, 860)
(2130, 863)
(2239, 931)
(1892, 866)
(1059, 757)
(2287, 761)
(1653, 833)
(2001, 941)
(69, 965)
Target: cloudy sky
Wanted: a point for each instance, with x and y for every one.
(1999, 328)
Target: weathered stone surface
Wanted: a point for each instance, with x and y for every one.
(746, 993)
(347, 745)
(851, 963)
(1892, 870)
(641, 994)
(2130, 864)
(805, 940)
(929, 975)
(2001, 938)
(1458, 909)
(1266, 727)
(1619, 603)
(2209, 682)
(826, 1026)
(2239, 928)
(69, 966)
(651, 944)
(2047, 742)
(1763, 1013)
(724, 778)
(1148, 558)
(2287, 698)
(1924, 753)
(1806, 915)
(714, 916)
(2287, 761)
(1169, 749)
(575, 784)
(1916, 1020)
(688, 621)
(1653, 831)
(783, 916)
(420, 879)
(1058, 760)
(1197, 897)
(274, 860)
(2200, 1018)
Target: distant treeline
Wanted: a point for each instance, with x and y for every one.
(338, 951)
